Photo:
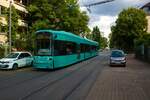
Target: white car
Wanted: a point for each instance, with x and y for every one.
(16, 60)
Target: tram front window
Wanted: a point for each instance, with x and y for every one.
(43, 43)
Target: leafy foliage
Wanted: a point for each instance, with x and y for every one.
(19, 36)
(14, 22)
(0, 25)
(98, 37)
(58, 15)
(104, 42)
(96, 34)
(130, 25)
(145, 39)
(3, 28)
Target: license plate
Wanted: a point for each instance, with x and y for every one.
(2, 65)
(118, 62)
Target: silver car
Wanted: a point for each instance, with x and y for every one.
(117, 57)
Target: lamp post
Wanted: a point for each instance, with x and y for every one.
(10, 4)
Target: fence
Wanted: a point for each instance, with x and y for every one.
(142, 52)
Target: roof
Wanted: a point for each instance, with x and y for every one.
(68, 34)
(146, 5)
(117, 50)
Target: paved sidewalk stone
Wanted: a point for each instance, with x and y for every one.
(123, 83)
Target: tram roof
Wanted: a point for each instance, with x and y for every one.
(70, 35)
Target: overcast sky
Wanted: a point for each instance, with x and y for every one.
(104, 15)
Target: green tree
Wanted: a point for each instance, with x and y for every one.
(145, 39)
(0, 25)
(89, 36)
(96, 36)
(130, 25)
(104, 42)
(14, 22)
(3, 28)
(58, 15)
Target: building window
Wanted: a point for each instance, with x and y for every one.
(3, 28)
(147, 10)
(25, 2)
(3, 10)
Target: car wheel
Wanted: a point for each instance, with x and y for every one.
(15, 66)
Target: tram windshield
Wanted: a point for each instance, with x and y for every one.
(43, 42)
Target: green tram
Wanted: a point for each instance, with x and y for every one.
(55, 49)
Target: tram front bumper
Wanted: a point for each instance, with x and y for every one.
(43, 62)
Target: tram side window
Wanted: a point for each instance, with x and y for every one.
(87, 48)
(71, 48)
(93, 48)
(82, 48)
(64, 48)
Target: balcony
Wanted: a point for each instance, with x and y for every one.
(3, 38)
(16, 4)
(19, 2)
(3, 20)
(22, 23)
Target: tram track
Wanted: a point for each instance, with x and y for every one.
(79, 84)
(57, 92)
(11, 73)
(86, 78)
(22, 81)
(57, 80)
(51, 79)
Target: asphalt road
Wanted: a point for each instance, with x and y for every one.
(92, 79)
(70, 83)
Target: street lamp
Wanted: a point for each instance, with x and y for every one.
(10, 4)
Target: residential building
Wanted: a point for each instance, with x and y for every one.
(20, 7)
(146, 8)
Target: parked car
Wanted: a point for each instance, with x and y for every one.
(16, 60)
(117, 57)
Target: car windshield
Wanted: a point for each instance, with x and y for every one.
(117, 54)
(12, 55)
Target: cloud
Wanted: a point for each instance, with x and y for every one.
(104, 15)
(111, 8)
(103, 22)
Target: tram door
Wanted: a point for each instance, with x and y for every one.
(78, 52)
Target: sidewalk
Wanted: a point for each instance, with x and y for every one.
(119, 83)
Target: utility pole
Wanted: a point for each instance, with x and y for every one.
(0, 10)
(10, 5)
